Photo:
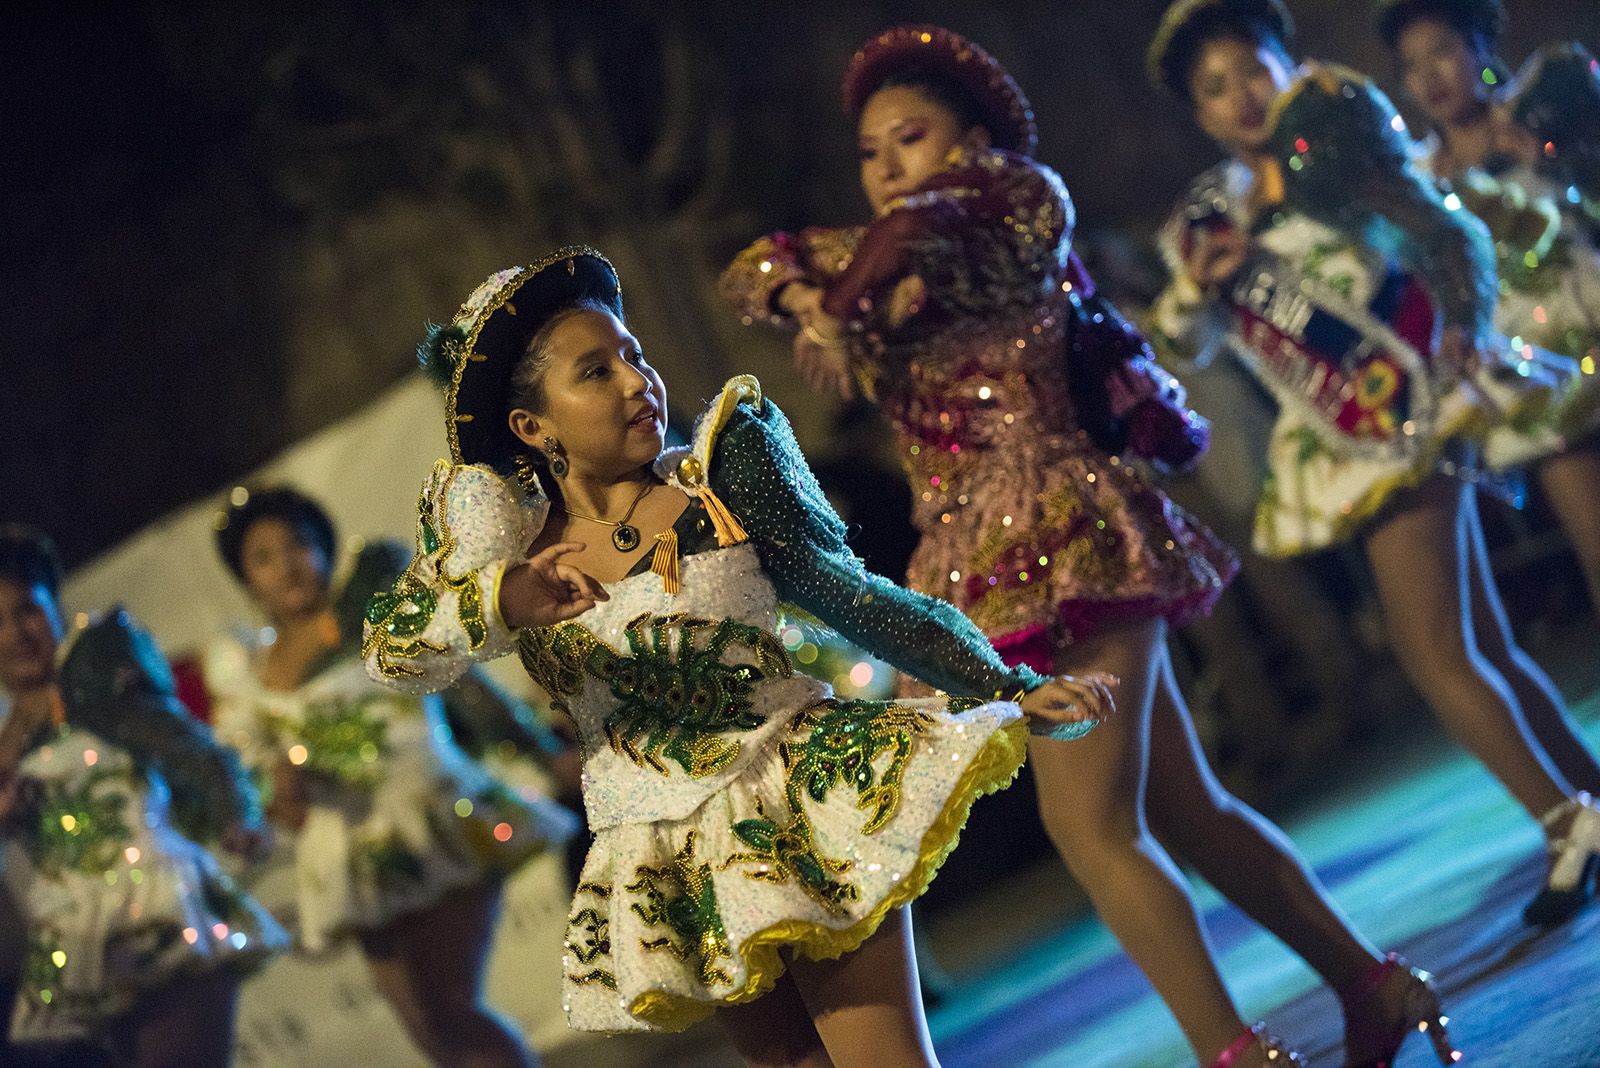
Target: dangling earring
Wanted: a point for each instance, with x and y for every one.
(558, 461)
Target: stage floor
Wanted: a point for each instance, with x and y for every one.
(1426, 853)
(1428, 856)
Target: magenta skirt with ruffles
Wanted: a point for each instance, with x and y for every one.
(1059, 542)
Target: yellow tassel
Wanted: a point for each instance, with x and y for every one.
(664, 561)
(724, 522)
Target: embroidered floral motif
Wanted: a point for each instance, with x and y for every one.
(787, 851)
(554, 658)
(398, 617)
(675, 693)
(1376, 387)
(343, 739)
(842, 741)
(589, 938)
(81, 828)
(683, 899)
(845, 738)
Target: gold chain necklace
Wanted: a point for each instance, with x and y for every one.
(625, 536)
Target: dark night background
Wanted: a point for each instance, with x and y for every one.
(226, 225)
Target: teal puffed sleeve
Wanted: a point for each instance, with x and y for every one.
(759, 472)
(116, 683)
(1346, 162)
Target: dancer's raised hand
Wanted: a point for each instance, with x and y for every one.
(542, 590)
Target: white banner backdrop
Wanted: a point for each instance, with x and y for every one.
(366, 470)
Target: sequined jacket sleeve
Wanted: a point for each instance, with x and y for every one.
(1125, 399)
(1346, 161)
(759, 471)
(442, 614)
(116, 683)
(991, 231)
(814, 256)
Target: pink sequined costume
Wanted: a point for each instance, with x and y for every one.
(1012, 392)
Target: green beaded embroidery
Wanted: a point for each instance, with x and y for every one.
(42, 966)
(845, 738)
(675, 694)
(842, 741)
(784, 852)
(392, 864)
(683, 898)
(343, 739)
(81, 828)
(589, 938)
(554, 659)
(398, 617)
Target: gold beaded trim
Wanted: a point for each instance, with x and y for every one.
(501, 299)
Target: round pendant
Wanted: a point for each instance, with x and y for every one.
(625, 538)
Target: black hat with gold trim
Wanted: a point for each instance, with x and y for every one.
(1482, 20)
(474, 355)
(1188, 24)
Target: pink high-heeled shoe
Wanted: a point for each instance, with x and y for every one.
(1378, 1042)
(1258, 1036)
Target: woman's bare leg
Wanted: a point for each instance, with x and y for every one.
(1571, 484)
(866, 1005)
(429, 966)
(1419, 558)
(1091, 798)
(775, 1030)
(1236, 850)
(187, 1021)
(1253, 865)
(1543, 708)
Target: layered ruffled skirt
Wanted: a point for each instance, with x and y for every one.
(397, 817)
(805, 853)
(364, 861)
(118, 903)
(1321, 489)
(1555, 310)
(1044, 549)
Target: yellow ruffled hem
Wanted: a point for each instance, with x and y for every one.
(991, 770)
(1472, 425)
